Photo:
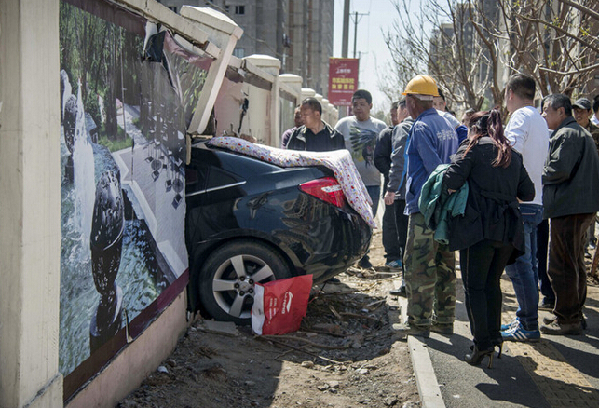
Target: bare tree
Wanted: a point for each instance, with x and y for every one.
(472, 46)
(439, 40)
(550, 39)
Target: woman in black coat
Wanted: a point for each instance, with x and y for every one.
(491, 228)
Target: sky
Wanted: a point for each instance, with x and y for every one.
(371, 43)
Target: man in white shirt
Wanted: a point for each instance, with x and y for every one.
(529, 135)
(360, 132)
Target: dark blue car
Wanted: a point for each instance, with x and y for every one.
(249, 221)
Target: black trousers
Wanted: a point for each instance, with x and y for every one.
(542, 250)
(567, 270)
(482, 265)
(390, 238)
(401, 224)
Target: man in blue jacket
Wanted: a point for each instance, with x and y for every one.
(429, 266)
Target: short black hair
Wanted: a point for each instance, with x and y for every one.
(401, 103)
(313, 104)
(362, 94)
(523, 86)
(394, 105)
(557, 101)
(596, 103)
(441, 93)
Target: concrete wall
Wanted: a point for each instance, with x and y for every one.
(30, 196)
(30, 203)
(135, 362)
(30, 216)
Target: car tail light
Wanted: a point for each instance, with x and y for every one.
(326, 189)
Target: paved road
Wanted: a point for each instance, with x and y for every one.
(558, 371)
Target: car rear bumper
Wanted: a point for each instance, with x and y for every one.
(326, 240)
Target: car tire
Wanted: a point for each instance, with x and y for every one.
(227, 278)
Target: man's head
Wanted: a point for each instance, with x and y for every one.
(297, 117)
(582, 111)
(393, 113)
(466, 117)
(402, 110)
(556, 108)
(519, 91)
(311, 111)
(439, 101)
(361, 102)
(419, 94)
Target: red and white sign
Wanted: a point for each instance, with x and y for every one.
(343, 80)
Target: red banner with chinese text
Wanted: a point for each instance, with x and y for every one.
(343, 80)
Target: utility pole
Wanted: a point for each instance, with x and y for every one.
(345, 29)
(355, 33)
(356, 21)
(343, 109)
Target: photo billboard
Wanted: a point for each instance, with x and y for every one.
(126, 101)
(343, 80)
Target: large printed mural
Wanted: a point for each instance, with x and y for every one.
(127, 97)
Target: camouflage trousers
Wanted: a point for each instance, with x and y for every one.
(429, 276)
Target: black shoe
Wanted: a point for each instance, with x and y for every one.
(477, 356)
(333, 280)
(365, 262)
(398, 292)
(547, 305)
(558, 328)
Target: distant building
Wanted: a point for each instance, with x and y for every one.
(297, 32)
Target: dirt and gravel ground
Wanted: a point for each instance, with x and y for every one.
(345, 355)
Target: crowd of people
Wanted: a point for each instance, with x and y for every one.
(520, 198)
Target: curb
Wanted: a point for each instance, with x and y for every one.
(426, 380)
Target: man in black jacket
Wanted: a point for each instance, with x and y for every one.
(315, 135)
(382, 161)
(570, 200)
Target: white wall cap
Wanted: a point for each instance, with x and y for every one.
(307, 93)
(156, 12)
(287, 88)
(266, 63)
(235, 62)
(249, 66)
(213, 19)
(291, 79)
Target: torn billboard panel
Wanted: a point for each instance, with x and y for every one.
(125, 109)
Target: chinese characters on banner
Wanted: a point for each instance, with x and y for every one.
(343, 80)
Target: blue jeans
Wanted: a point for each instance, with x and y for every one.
(524, 273)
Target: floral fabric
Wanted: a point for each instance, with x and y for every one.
(339, 161)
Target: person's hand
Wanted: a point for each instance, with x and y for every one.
(389, 198)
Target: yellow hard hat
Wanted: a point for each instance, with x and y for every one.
(422, 85)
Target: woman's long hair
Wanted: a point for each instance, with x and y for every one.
(489, 124)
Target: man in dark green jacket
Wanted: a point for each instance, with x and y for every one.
(570, 200)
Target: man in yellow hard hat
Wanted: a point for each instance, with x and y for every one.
(429, 266)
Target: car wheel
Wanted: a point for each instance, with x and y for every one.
(227, 278)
